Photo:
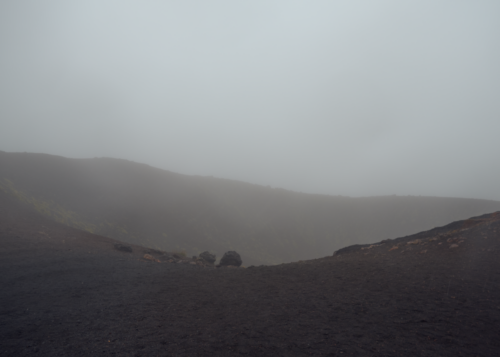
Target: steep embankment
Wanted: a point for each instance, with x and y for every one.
(148, 206)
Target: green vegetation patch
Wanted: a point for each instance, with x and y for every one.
(48, 208)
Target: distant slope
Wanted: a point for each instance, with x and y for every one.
(161, 209)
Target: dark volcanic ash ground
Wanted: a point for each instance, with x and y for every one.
(70, 293)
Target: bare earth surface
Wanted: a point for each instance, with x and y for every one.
(66, 292)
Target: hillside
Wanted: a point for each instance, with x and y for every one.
(144, 205)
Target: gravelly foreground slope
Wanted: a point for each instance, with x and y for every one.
(70, 293)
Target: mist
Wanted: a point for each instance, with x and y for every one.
(354, 99)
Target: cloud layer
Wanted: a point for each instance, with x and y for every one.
(356, 98)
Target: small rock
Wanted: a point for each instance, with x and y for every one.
(123, 248)
(207, 256)
(149, 257)
(423, 251)
(192, 263)
(394, 248)
(416, 241)
(154, 252)
(453, 246)
(231, 258)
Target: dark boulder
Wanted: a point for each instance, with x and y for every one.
(123, 248)
(208, 257)
(231, 258)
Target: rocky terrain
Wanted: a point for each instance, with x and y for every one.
(66, 292)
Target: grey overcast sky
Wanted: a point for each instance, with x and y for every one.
(353, 98)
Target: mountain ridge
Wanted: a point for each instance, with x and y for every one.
(144, 205)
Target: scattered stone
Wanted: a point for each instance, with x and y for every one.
(149, 257)
(192, 263)
(423, 251)
(154, 252)
(208, 257)
(416, 241)
(123, 248)
(371, 246)
(394, 248)
(453, 246)
(231, 258)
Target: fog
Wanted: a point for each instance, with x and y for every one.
(357, 98)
